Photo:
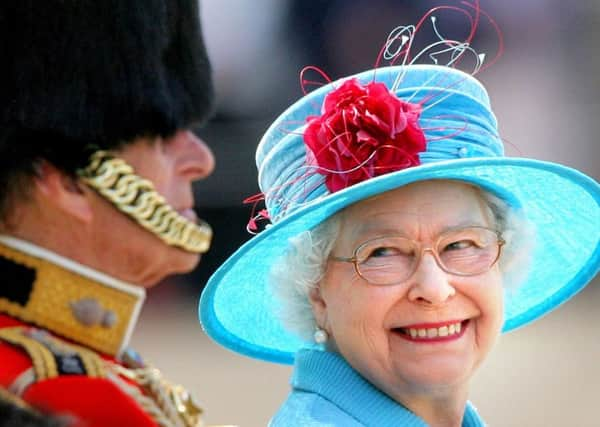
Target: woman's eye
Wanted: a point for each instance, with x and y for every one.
(383, 252)
(460, 244)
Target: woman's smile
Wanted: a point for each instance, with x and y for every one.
(433, 332)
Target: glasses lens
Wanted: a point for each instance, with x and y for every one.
(390, 260)
(468, 251)
(386, 260)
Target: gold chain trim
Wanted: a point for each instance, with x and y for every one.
(114, 179)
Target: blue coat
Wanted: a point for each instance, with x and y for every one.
(326, 391)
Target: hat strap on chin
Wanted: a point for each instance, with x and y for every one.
(135, 196)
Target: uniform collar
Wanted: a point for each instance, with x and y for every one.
(67, 298)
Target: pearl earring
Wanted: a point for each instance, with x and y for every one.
(320, 336)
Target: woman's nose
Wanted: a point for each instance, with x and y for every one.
(430, 283)
(195, 158)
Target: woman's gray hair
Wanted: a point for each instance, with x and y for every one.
(298, 271)
(302, 266)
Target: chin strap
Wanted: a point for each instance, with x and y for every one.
(135, 196)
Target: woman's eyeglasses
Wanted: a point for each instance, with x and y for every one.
(391, 260)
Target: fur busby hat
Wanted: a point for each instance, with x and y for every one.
(88, 73)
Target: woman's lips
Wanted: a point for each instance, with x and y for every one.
(433, 332)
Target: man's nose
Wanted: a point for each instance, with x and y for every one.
(195, 158)
(430, 283)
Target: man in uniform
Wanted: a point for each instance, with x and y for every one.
(98, 100)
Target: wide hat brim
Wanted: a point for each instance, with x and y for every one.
(237, 308)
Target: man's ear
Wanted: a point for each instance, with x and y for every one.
(65, 192)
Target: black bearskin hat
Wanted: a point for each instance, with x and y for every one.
(76, 74)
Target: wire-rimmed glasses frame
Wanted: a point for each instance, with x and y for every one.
(466, 251)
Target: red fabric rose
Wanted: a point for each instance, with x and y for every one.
(363, 131)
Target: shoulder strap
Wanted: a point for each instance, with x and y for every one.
(51, 356)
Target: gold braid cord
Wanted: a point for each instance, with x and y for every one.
(114, 179)
(169, 405)
(41, 347)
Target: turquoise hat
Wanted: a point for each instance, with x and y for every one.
(237, 308)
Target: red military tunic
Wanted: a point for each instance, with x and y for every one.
(63, 331)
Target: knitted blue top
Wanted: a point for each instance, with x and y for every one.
(326, 391)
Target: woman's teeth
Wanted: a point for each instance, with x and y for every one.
(443, 331)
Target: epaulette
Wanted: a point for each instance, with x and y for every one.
(50, 356)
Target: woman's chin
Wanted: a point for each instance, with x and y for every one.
(439, 374)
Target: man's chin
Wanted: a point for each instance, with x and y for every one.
(170, 262)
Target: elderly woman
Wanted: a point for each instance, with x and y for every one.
(402, 243)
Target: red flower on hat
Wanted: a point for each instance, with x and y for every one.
(363, 131)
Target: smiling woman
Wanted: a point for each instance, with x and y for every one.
(390, 346)
(401, 246)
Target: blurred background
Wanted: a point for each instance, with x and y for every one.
(544, 90)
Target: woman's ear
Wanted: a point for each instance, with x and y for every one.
(65, 192)
(319, 306)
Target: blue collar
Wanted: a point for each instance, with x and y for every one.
(322, 372)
